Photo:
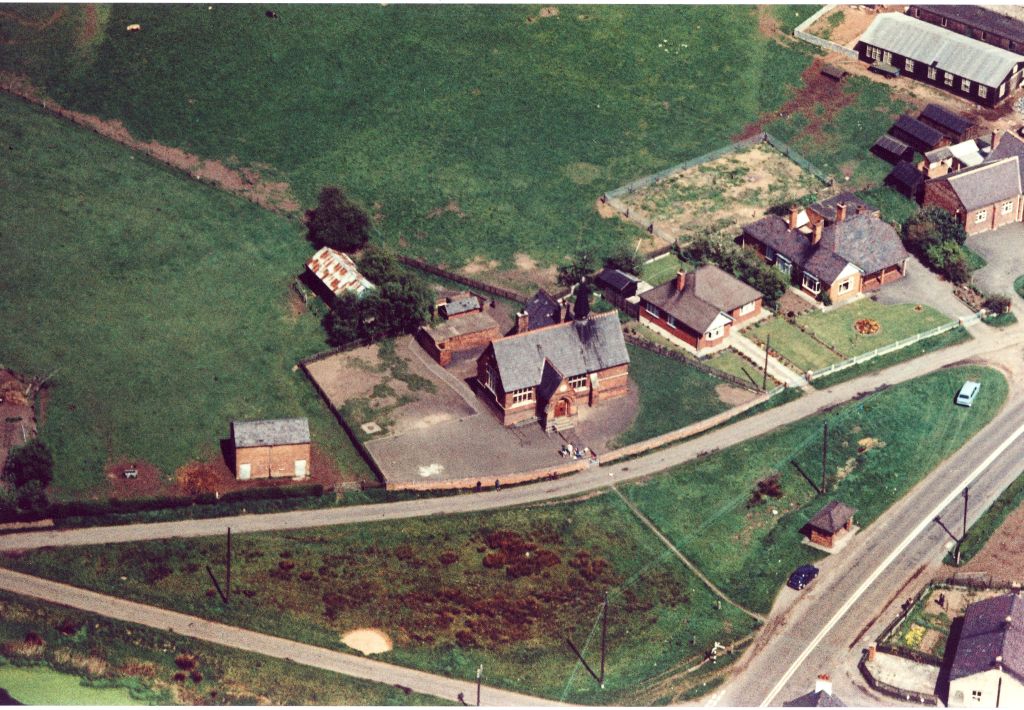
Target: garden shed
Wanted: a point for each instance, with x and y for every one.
(831, 521)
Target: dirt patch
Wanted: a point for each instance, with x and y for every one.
(452, 207)
(932, 641)
(17, 412)
(852, 23)
(733, 396)
(1003, 554)
(767, 25)
(246, 182)
(368, 641)
(549, 11)
(23, 21)
(479, 265)
(149, 481)
(296, 306)
(89, 27)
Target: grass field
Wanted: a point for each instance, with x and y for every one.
(879, 448)
(896, 322)
(661, 270)
(408, 107)
(795, 346)
(979, 533)
(88, 659)
(732, 363)
(504, 589)
(893, 206)
(162, 306)
(672, 395)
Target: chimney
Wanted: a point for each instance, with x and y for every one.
(522, 321)
(816, 236)
(995, 139)
(872, 651)
(794, 212)
(999, 663)
(680, 280)
(823, 682)
(862, 208)
(840, 211)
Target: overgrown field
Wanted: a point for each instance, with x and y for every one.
(474, 133)
(747, 540)
(505, 589)
(161, 307)
(158, 668)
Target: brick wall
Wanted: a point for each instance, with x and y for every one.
(855, 288)
(272, 461)
(442, 351)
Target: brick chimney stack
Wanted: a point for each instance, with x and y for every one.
(823, 682)
(816, 236)
(680, 280)
(794, 212)
(522, 321)
(840, 211)
(995, 139)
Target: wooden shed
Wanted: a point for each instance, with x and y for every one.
(830, 522)
(271, 448)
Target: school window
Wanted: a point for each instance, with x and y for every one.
(976, 696)
(1007, 207)
(874, 53)
(579, 382)
(965, 85)
(887, 57)
(909, 64)
(944, 21)
(492, 380)
(523, 395)
(844, 286)
(932, 72)
(981, 216)
(947, 78)
(982, 91)
(1002, 89)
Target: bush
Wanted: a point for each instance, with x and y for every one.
(742, 263)
(624, 259)
(581, 266)
(31, 462)
(998, 303)
(337, 222)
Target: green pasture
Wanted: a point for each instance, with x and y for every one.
(795, 346)
(897, 322)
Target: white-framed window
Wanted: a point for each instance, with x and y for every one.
(908, 64)
(651, 309)
(747, 308)
(245, 471)
(811, 283)
(947, 78)
(783, 264)
(982, 91)
(670, 320)
(976, 696)
(887, 57)
(944, 21)
(523, 395)
(579, 382)
(492, 381)
(713, 334)
(932, 73)
(874, 53)
(981, 216)
(1002, 89)
(845, 286)
(1007, 207)
(965, 85)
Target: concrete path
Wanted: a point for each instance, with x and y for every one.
(775, 368)
(1003, 251)
(921, 286)
(234, 637)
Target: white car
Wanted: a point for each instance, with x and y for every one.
(965, 398)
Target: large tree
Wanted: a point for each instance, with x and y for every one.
(29, 463)
(337, 222)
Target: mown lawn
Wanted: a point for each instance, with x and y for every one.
(879, 447)
(661, 270)
(795, 346)
(117, 659)
(732, 363)
(520, 120)
(505, 589)
(672, 395)
(160, 306)
(897, 322)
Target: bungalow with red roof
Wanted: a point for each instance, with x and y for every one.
(825, 250)
(700, 308)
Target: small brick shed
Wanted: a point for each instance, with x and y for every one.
(830, 522)
(271, 448)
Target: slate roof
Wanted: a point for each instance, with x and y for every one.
(986, 635)
(817, 699)
(979, 17)
(708, 291)
(861, 239)
(542, 310)
(550, 379)
(463, 304)
(270, 432)
(988, 183)
(1009, 145)
(832, 517)
(935, 46)
(827, 208)
(472, 323)
(892, 146)
(924, 134)
(906, 175)
(954, 123)
(618, 281)
(574, 348)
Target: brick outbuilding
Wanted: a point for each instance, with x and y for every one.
(271, 448)
(831, 521)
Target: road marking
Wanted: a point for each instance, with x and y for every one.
(888, 561)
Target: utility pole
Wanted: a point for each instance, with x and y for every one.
(228, 584)
(767, 348)
(604, 636)
(479, 672)
(824, 457)
(964, 536)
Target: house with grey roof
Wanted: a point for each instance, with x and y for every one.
(271, 448)
(541, 310)
(839, 257)
(700, 308)
(822, 697)
(988, 665)
(988, 195)
(545, 374)
(835, 519)
(934, 55)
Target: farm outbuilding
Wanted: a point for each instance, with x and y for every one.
(271, 448)
(954, 126)
(917, 135)
(892, 149)
(831, 521)
(465, 333)
(335, 271)
(980, 23)
(906, 179)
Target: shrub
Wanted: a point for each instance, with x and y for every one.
(998, 303)
(742, 263)
(30, 463)
(337, 222)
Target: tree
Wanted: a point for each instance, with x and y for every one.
(624, 259)
(29, 463)
(581, 308)
(337, 222)
(742, 263)
(582, 265)
(930, 226)
(378, 264)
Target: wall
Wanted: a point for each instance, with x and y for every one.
(488, 481)
(855, 288)
(460, 343)
(272, 461)
(737, 318)
(684, 333)
(1010, 692)
(875, 281)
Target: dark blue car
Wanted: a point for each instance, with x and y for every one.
(803, 576)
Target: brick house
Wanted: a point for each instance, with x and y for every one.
(700, 308)
(271, 448)
(831, 521)
(463, 333)
(546, 374)
(961, 65)
(988, 665)
(842, 255)
(336, 272)
(983, 24)
(987, 196)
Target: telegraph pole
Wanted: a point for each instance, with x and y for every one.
(767, 348)
(824, 456)
(228, 584)
(604, 636)
(479, 672)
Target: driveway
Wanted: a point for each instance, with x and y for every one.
(1003, 249)
(922, 286)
